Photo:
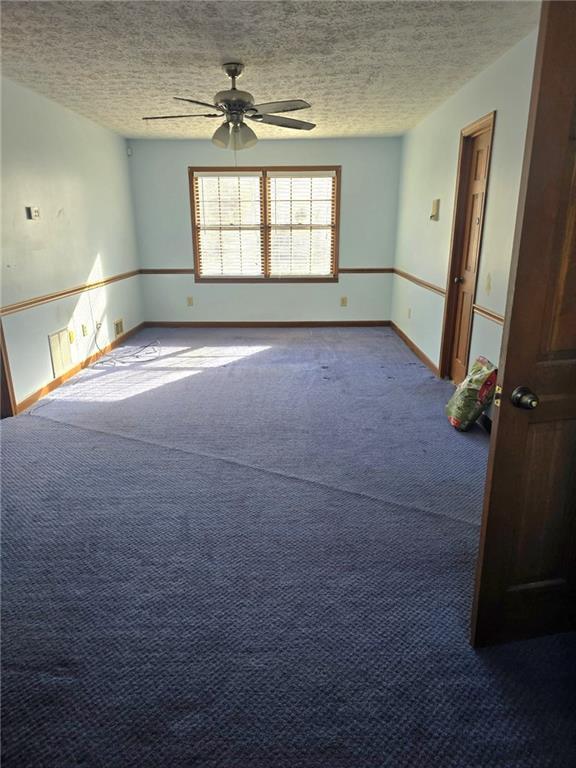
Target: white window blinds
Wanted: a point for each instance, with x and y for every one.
(228, 223)
(265, 223)
(302, 219)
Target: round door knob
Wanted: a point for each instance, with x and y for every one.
(458, 280)
(522, 397)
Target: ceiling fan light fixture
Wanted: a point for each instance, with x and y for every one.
(221, 137)
(242, 137)
(236, 106)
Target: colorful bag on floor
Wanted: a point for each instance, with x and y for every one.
(473, 395)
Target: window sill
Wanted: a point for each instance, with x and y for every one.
(266, 280)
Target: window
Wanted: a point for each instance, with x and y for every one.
(265, 224)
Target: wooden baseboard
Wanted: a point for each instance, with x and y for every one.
(417, 351)
(269, 324)
(55, 383)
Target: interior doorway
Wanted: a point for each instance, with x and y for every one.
(471, 189)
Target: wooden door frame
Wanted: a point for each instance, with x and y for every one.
(7, 388)
(467, 136)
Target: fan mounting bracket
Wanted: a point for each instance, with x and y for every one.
(233, 69)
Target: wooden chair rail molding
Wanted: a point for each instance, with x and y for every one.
(366, 270)
(44, 299)
(166, 271)
(488, 314)
(345, 270)
(33, 302)
(418, 281)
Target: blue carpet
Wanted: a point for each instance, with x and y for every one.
(255, 549)
(351, 408)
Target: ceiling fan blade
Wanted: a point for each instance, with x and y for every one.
(283, 122)
(201, 103)
(175, 117)
(281, 106)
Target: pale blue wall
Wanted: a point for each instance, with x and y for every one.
(80, 177)
(429, 169)
(370, 178)
(77, 174)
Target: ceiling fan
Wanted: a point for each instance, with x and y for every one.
(235, 106)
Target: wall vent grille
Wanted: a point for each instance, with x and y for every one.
(60, 352)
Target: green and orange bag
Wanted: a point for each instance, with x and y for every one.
(473, 396)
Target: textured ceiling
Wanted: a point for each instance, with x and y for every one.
(367, 68)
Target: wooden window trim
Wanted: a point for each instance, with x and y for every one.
(265, 226)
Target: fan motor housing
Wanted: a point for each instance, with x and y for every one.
(234, 99)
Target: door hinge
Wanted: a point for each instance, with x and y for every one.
(497, 396)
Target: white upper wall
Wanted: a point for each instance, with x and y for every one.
(369, 197)
(430, 166)
(370, 175)
(430, 162)
(76, 173)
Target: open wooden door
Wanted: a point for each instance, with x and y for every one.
(471, 187)
(526, 573)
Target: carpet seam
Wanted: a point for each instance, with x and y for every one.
(276, 473)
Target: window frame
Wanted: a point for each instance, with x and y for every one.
(265, 226)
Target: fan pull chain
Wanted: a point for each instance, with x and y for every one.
(310, 230)
(240, 231)
(239, 219)
(291, 230)
(220, 228)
